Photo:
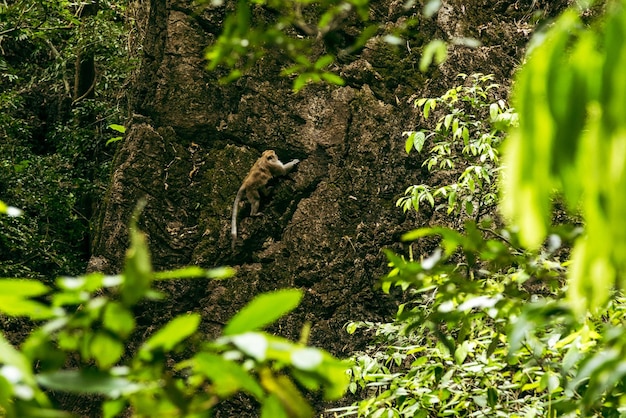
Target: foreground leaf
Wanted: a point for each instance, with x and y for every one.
(263, 310)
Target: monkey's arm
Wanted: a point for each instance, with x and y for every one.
(287, 167)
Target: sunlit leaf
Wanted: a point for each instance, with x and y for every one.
(408, 145)
(323, 62)
(192, 272)
(435, 51)
(300, 82)
(333, 78)
(263, 310)
(17, 306)
(172, 333)
(118, 128)
(226, 376)
(22, 288)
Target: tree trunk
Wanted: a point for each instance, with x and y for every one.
(85, 67)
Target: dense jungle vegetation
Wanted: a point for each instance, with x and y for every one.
(518, 312)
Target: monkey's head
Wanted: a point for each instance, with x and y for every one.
(269, 156)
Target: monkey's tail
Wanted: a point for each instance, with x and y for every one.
(233, 228)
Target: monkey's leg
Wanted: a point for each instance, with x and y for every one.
(255, 200)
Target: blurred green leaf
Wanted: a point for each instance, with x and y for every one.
(323, 62)
(192, 272)
(333, 78)
(17, 306)
(138, 267)
(113, 408)
(272, 408)
(105, 349)
(287, 393)
(300, 82)
(263, 310)
(436, 51)
(227, 376)
(174, 332)
(22, 288)
(87, 382)
(118, 319)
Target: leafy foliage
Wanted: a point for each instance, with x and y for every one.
(247, 36)
(492, 329)
(488, 334)
(90, 318)
(53, 155)
(309, 36)
(469, 129)
(570, 96)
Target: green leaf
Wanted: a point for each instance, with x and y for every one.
(253, 344)
(430, 199)
(11, 356)
(448, 120)
(114, 408)
(105, 349)
(494, 110)
(549, 381)
(333, 78)
(492, 396)
(17, 306)
(87, 382)
(461, 352)
(427, 106)
(193, 272)
(301, 81)
(227, 376)
(263, 310)
(324, 61)
(420, 102)
(306, 358)
(172, 333)
(272, 408)
(287, 393)
(118, 319)
(112, 140)
(408, 145)
(420, 139)
(451, 238)
(435, 51)
(22, 287)
(118, 128)
(138, 268)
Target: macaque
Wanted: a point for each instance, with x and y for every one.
(263, 170)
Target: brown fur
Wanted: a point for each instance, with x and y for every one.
(262, 171)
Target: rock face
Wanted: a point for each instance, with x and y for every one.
(191, 141)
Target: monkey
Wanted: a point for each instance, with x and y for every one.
(263, 170)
